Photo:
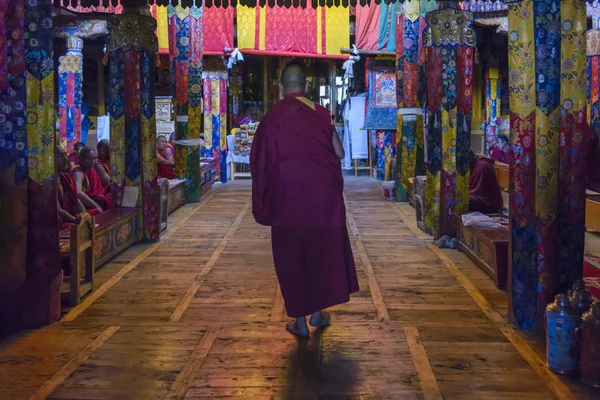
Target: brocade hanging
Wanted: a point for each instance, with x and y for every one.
(492, 107)
(548, 152)
(450, 39)
(215, 115)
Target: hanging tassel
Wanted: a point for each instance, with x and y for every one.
(235, 57)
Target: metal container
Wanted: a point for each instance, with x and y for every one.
(581, 299)
(562, 348)
(590, 346)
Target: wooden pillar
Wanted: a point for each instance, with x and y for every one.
(131, 47)
(449, 110)
(547, 193)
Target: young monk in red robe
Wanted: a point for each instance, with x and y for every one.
(70, 207)
(74, 156)
(102, 164)
(485, 194)
(165, 158)
(297, 189)
(90, 190)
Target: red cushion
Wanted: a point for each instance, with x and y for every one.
(591, 274)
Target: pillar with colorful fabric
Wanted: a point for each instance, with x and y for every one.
(131, 47)
(160, 14)
(492, 106)
(410, 88)
(548, 158)
(215, 114)
(30, 275)
(450, 39)
(186, 71)
(593, 72)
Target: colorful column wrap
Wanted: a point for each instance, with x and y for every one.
(410, 88)
(70, 83)
(131, 47)
(593, 75)
(160, 14)
(215, 114)
(492, 107)
(186, 38)
(548, 157)
(450, 39)
(323, 30)
(30, 271)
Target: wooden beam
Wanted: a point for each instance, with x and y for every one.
(361, 52)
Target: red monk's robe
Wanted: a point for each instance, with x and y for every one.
(485, 194)
(297, 189)
(93, 187)
(67, 197)
(166, 171)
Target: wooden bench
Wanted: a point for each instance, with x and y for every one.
(77, 245)
(592, 212)
(208, 171)
(116, 230)
(176, 195)
(487, 247)
(419, 187)
(163, 206)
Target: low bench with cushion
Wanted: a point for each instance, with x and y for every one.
(116, 230)
(487, 247)
(176, 195)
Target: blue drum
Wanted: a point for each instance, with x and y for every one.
(562, 347)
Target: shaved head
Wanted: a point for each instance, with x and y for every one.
(293, 79)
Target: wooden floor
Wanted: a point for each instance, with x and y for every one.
(199, 315)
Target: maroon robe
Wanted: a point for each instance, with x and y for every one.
(297, 189)
(93, 187)
(485, 194)
(499, 155)
(166, 171)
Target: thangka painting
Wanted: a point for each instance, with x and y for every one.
(382, 106)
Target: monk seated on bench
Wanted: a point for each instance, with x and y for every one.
(102, 163)
(165, 158)
(485, 194)
(70, 208)
(90, 190)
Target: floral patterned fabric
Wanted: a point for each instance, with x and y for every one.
(450, 38)
(410, 89)
(70, 82)
(386, 151)
(547, 89)
(215, 115)
(186, 68)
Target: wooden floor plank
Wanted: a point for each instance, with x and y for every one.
(427, 380)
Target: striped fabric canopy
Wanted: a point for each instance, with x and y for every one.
(248, 3)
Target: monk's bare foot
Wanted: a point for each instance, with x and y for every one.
(320, 319)
(298, 329)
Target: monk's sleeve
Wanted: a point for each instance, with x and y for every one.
(260, 169)
(482, 188)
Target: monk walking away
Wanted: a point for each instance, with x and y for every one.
(297, 189)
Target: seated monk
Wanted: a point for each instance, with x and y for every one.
(165, 158)
(485, 194)
(74, 156)
(102, 164)
(499, 149)
(70, 207)
(90, 190)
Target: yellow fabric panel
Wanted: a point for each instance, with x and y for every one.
(432, 203)
(162, 29)
(547, 134)
(40, 126)
(319, 31)
(462, 192)
(449, 140)
(262, 28)
(521, 58)
(194, 119)
(477, 98)
(117, 148)
(246, 27)
(337, 26)
(573, 56)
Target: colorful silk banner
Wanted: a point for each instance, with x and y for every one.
(410, 88)
(593, 77)
(450, 37)
(386, 151)
(70, 83)
(160, 14)
(131, 48)
(547, 194)
(186, 36)
(215, 114)
(492, 107)
(217, 29)
(382, 103)
(376, 26)
(323, 30)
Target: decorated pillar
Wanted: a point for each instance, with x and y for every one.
(410, 88)
(131, 48)
(186, 38)
(215, 114)
(450, 41)
(70, 78)
(492, 106)
(548, 153)
(30, 273)
(593, 72)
